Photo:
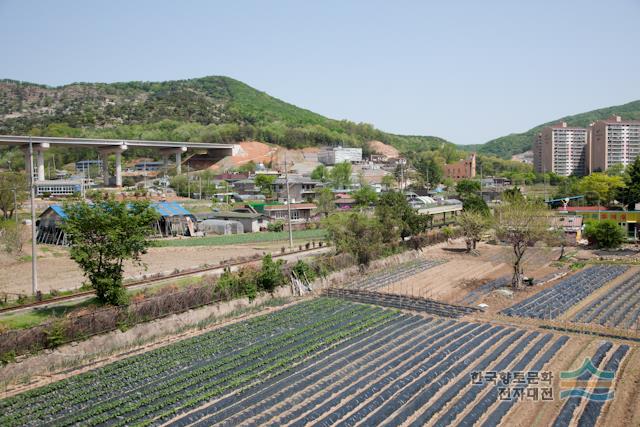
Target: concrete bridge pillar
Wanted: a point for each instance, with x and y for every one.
(166, 152)
(38, 160)
(105, 152)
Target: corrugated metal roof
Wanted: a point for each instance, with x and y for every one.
(165, 209)
(59, 210)
(170, 209)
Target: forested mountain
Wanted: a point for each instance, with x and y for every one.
(516, 143)
(209, 109)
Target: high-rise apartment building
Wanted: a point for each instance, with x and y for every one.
(561, 149)
(537, 154)
(613, 141)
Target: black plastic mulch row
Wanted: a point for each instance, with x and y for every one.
(503, 408)
(481, 408)
(593, 409)
(231, 405)
(401, 301)
(566, 413)
(398, 380)
(387, 402)
(470, 396)
(356, 381)
(391, 372)
(456, 388)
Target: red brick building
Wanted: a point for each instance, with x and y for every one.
(464, 169)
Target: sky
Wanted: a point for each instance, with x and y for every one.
(467, 71)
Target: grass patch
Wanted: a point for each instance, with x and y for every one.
(232, 239)
(34, 317)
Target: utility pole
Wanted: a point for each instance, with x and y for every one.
(34, 254)
(286, 180)
(15, 204)
(188, 183)
(481, 177)
(15, 213)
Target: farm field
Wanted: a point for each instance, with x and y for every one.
(394, 274)
(323, 361)
(552, 302)
(401, 301)
(455, 273)
(618, 308)
(234, 239)
(58, 271)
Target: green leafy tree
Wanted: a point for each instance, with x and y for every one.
(320, 173)
(521, 223)
(265, 183)
(304, 271)
(513, 194)
(467, 187)
(356, 234)
(365, 196)
(606, 234)
(430, 167)
(472, 225)
(270, 275)
(325, 201)
(11, 182)
(475, 204)
(630, 193)
(248, 167)
(341, 175)
(105, 235)
(388, 182)
(398, 218)
(615, 170)
(600, 187)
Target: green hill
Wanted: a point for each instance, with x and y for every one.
(208, 109)
(516, 143)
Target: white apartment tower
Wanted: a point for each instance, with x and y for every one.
(613, 141)
(561, 149)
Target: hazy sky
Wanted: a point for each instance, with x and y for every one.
(467, 71)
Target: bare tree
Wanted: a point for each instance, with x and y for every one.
(522, 223)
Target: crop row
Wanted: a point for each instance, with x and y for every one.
(394, 274)
(571, 409)
(142, 386)
(552, 302)
(417, 371)
(475, 294)
(619, 308)
(159, 363)
(401, 301)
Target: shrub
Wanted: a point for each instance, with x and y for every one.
(276, 226)
(56, 334)
(270, 275)
(304, 271)
(7, 357)
(606, 234)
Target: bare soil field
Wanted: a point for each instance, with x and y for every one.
(451, 281)
(57, 271)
